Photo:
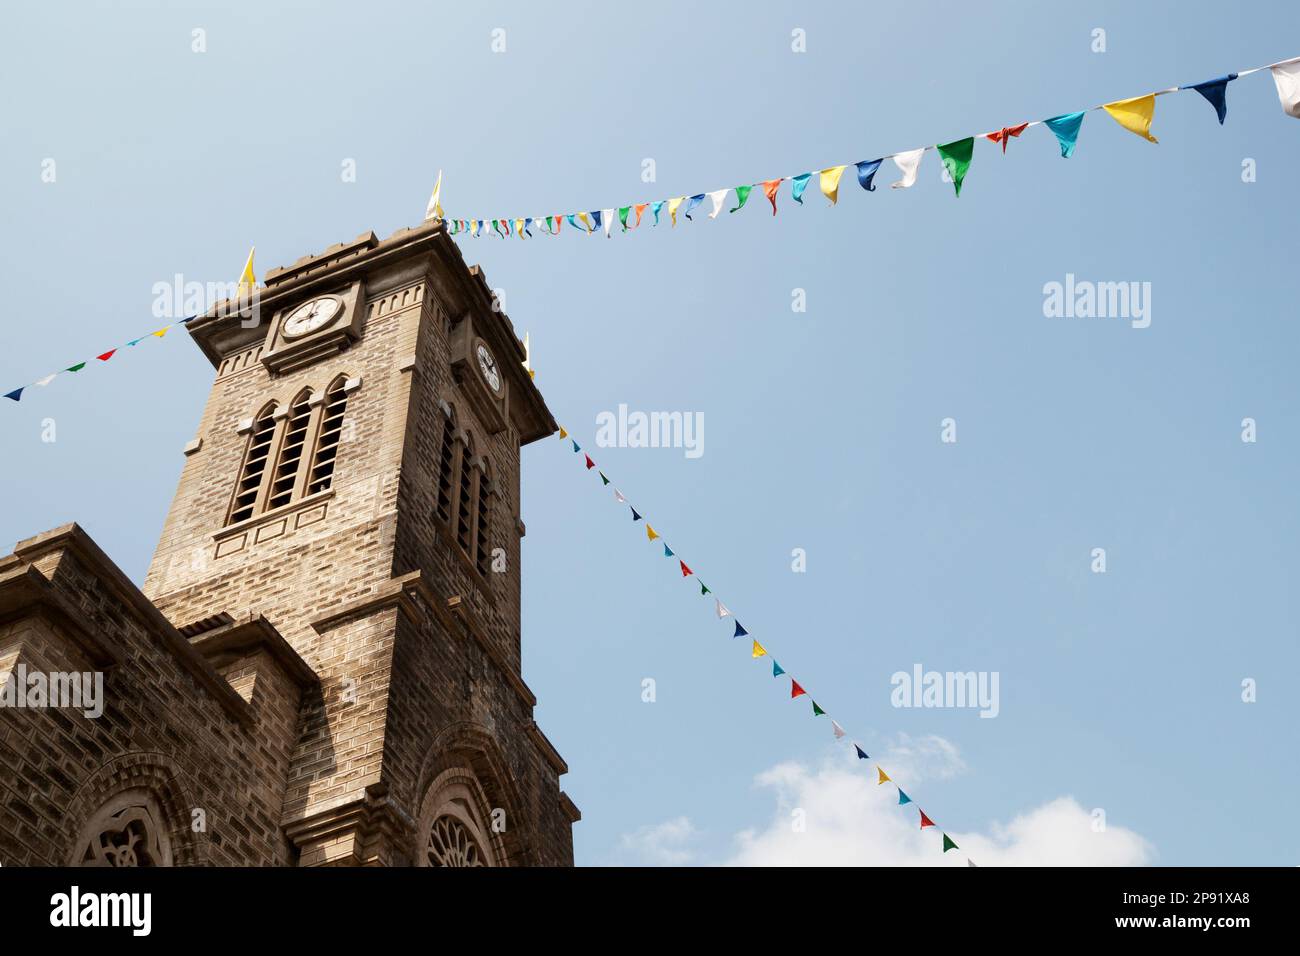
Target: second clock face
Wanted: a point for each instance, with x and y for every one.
(311, 316)
(488, 366)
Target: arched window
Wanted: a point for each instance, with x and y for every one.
(292, 445)
(128, 831)
(462, 496)
(331, 430)
(453, 827)
(249, 487)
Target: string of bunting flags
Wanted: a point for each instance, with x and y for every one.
(1134, 114)
(757, 650)
(247, 283)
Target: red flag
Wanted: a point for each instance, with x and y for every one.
(925, 821)
(1005, 134)
(795, 689)
(769, 190)
(686, 572)
(590, 464)
(106, 356)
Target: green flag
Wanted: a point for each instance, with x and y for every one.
(622, 215)
(602, 477)
(742, 193)
(948, 844)
(703, 589)
(956, 159)
(76, 368)
(817, 711)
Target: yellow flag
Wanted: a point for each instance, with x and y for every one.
(650, 532)
(434, 210)
(585, 220)
(759, 650)
(673, 205)
(830, 182)
(247, 278)
(563, 433)
(161, 332)
(1135, 115)
(883, 776)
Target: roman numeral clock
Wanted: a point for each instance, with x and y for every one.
(309, 330)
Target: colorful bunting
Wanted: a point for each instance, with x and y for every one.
(1135, 115)
(106, 356)
(590, 464)
(563, 433)
(686, 572)
(837, 729)
(16, 394)
(740, 631)
(829, 180)
(1216, 94)
(795, 689)
(777, 669)
(1066, 129)
(758, 650)
(656, 208)
(925, 821)
(723, 610)
(694, 203)
(704, 590)
(603, 479)
(1286, 77)
(650, 532)
(635, 516)
(742, 195)
(618, 496)
(867, 172)
(883, 776)
(956, 158)
(949, 845)
(623, 213)
(609, 222)
(903, 798)
(770, 189)
(908, 163)
(1004, 135)
(862, 754)
(576, 447)
(800, 183)
(817, 711)
(672, 208)
(668, 552)
(719, 199)
(639, 208)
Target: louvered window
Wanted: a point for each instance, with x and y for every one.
(483, 526)
(327, 445)
(291, 452)
(465, 500)
(250, 476)
(446, 462)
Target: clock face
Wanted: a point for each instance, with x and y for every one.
(311, 316)
(488, 366)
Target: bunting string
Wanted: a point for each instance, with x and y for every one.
(1135, 114)
(757, 650)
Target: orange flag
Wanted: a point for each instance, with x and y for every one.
(769, 190)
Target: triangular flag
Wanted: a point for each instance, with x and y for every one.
(673, 205)
(597, 217)
(694, 202)
(740, 631)
(1216, 93)
(719, 198)
(908, 163)
(656, 208)
(970, 862)
(795, 689)
(1066, 128)
(1004, 135)
(758, 650)
(770, 188)
(862, 754)
(75, 368)
(723, 610)
(635, 516)
(686, 572)
(618, 496)
(704, 589)
(883, 776)
(46, 380)
(742, 194)
(563, 433)
(1135, 115)
(956, 158)
(668, 552)
(799, 184)
(1286, 77)
(948, 844)
(603, 479)
(576, 447)
(829, 180)
(247, 278)
(639, 208)
(837, 729)
(16, 394)
(106, 356)
(161, 332)
(623, 213)
(817, 711)
(867, 172)
(590, 464)
(903, 798)
(434, 209)
(586, 221)
(925, 821)
(609, 223)
(777, 669)
(650, 532)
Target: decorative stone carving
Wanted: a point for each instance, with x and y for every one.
(127, 831)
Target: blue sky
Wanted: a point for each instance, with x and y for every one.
(1119, 691)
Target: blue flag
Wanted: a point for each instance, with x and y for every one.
(635, 516)
(740, 631)
(903, 798)
(1066, 129)
(866, 172)
(800, 183)
(668, 552)
(655, 208)
(777, 669)
(862, 754)
(16, 394)
(1216, 91)
(695, 201)
(595, 214)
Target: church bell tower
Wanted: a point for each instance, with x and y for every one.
(350, 504)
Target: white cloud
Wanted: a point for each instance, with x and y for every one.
(661, 844)
(850, 820)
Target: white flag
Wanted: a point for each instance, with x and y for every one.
(1286, 76)
(908, 164)
(722, 609)
(46, 380)
(839, 731)
(434, 210)
(618, 496)
(719, 197)
(608, 216)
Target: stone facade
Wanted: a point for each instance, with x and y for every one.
(323, 664)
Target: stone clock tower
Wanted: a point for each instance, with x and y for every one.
(324, 664)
